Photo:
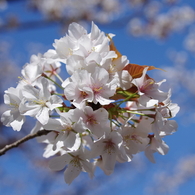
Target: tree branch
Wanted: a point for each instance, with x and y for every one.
(14, 24)
(24, 139)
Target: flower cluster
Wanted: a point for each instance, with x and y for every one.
(98, 10)
(158, 24)
(107, 111)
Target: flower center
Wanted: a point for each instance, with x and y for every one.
(76, 162)
(147, 85)
(83, 94)
(91, 120)
(97, 89)
(109, 146)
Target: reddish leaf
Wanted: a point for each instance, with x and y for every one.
(113, 48)
(136, 70)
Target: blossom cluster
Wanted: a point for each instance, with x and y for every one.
(160, 24)
(105, 112)
(98, 10)
(157, 19)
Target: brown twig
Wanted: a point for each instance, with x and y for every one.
(24, 139)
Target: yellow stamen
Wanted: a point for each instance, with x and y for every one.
(97, 89)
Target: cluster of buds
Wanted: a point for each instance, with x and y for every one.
(107, 111)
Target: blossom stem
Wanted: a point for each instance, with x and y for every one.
(153, 110)
(58, 76)
(53, 81)
(115, 122)
(60, 94)
(24, 139)
(126, 99)
(138, 113)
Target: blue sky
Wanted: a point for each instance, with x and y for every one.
(23, 175)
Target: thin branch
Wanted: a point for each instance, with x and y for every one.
(27, 25)
(24, 139)
(63, 21)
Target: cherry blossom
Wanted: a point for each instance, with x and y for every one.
(111, 149)
(77, 161)
(156, 145)
(105, 112)
(67, 128)
(149, 90)
(136, 139)
(13, 117)
(39, 102)
(93, 87)
(95, 121)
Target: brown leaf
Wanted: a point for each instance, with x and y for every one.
(113, 48)
(136, 70)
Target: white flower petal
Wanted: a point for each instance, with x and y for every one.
(72, 171)
(58, 163)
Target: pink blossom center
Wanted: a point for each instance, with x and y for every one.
(147, 85)
(135, 138)
(109, 146)
(52, 71)
(97, 90)
(83, 94)
(91, 120)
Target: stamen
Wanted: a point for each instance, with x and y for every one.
(91, 120)
(83, 94)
